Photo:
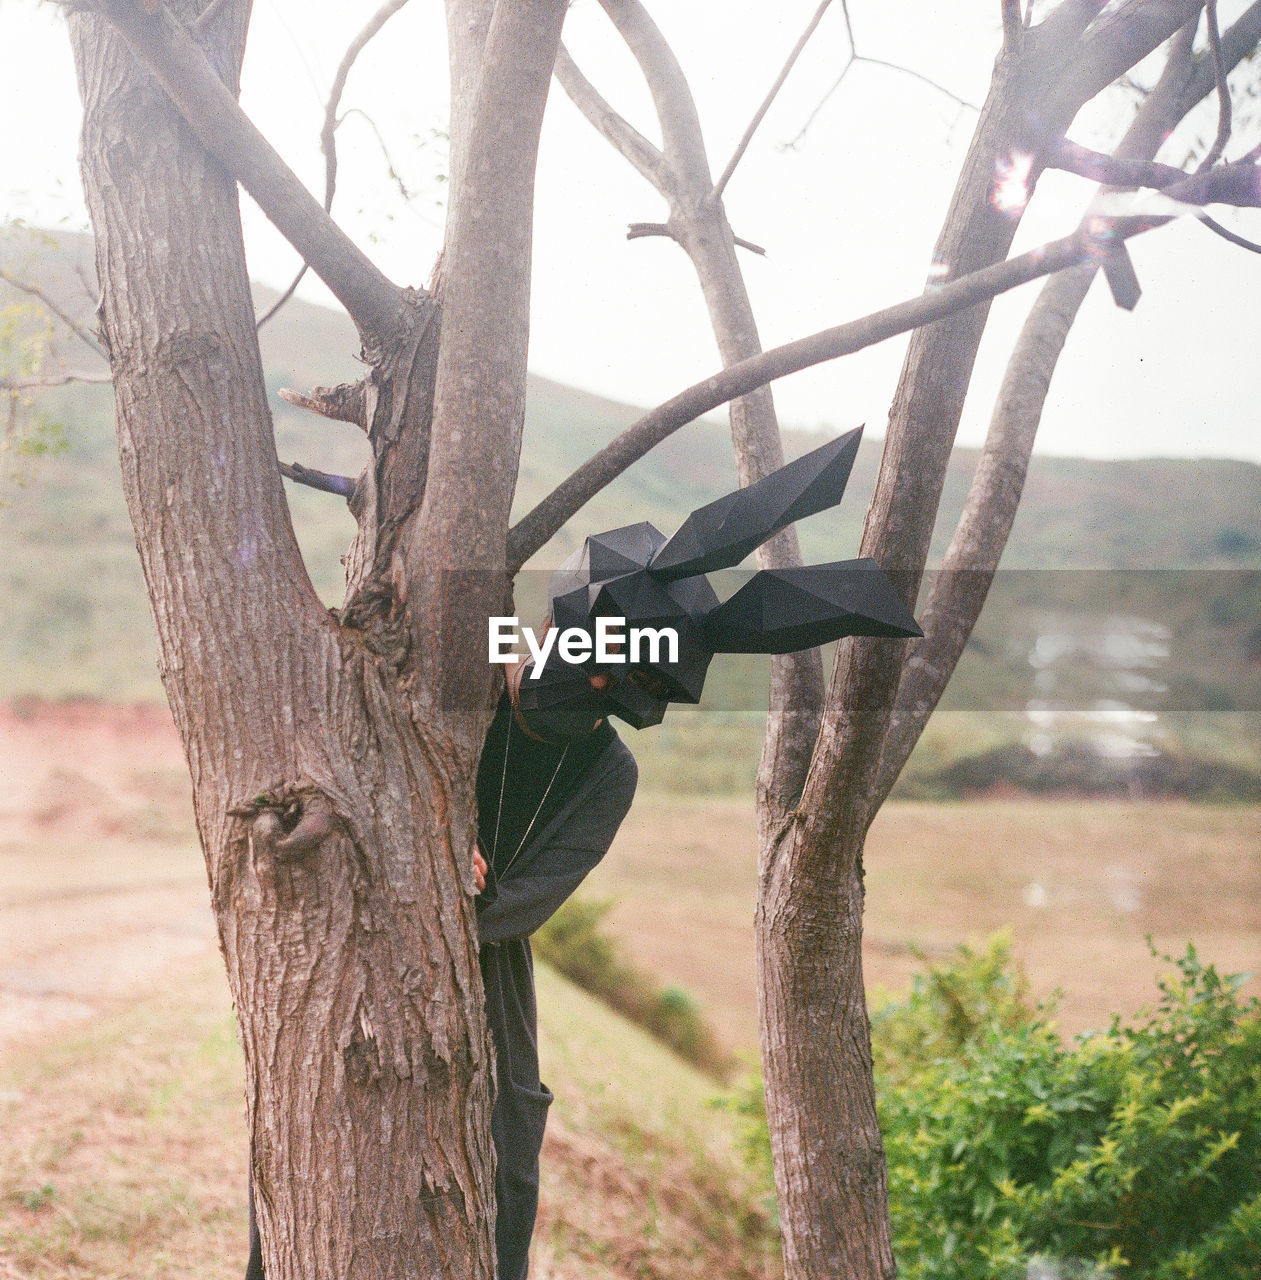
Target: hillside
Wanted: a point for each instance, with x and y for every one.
(1147, 595)
(124, 1150)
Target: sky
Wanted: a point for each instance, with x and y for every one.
(847, 208)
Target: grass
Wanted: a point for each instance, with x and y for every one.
(123, 1150)
(123, 1144)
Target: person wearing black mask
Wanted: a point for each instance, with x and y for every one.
(547, 813)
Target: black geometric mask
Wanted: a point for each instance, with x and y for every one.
(651, 581)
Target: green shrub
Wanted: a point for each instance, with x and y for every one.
(573, 943)
(1131, 1152)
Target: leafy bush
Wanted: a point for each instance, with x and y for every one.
(573, 943)
(1131, 1152)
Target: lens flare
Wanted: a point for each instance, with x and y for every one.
(1011, 183)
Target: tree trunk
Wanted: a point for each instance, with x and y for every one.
(820, 1097)
(332, 825)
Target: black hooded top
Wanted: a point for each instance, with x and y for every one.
(561, 808)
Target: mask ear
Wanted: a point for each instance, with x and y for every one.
(722, 533)
(783, 610)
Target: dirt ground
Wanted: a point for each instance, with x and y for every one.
(103, 891)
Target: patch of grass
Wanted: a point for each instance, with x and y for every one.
(574, 944)
(124, 1143)
(123, 1151)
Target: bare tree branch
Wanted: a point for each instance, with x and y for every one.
(37, 381)
(1013, 27)
(34, 291)
(215, 118)
(1063, 62)
(346, 402)
(328, 133)
(324, 481)
(284, 297)
(1227, 234)
(535, 528)
(1113, 44)
(627, 140)
(479, 385)
(1116, 171)
(698, 223)
(959, 591)
(681, 135)
(853, 60)
(1237, 184)
(644, 230)
(1223, 89)
(721, 185)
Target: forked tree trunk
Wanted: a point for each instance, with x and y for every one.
(335, 830)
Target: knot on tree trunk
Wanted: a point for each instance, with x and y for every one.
(290, 823)
(362, 1055)
(376, 615)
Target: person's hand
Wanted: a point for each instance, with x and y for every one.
(479, 869)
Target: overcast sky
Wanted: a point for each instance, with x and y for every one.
(848, 212)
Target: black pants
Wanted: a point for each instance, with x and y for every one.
(254, 1268)
(516, 1126)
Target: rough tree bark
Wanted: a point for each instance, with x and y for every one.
(332, 758)
(815, 1024)
(828, 1158)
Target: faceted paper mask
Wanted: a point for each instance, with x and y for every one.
(638, 574)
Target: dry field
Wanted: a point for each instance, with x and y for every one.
(102, 889)
(121, 1118)
(1079, 885)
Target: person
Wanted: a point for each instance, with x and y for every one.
(547, 813)
(548, 809)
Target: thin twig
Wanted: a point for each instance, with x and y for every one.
(742, 243)
(923, 79)
(25, 286)
(36, 381)
(1223, 89)
(385, 150)
(284, 297)
(818, 106)
(1227, 234)
(855, 58)
(849, 26)
(328, 133)
(758, 115)
(328, 141)
(324, 481)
